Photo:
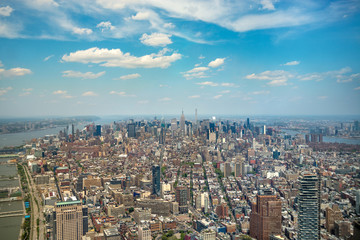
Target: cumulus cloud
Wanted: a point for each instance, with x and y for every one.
(217, 62)
(156, 39)
(274, 78)
(116, 58)
(194, 96)
(212, 84)
(6, 11)
(89, 94)
(5, 90)
(105, 26)
(59, 92)
(228, 85)
(217, 96)
(342, 76)
(198, 72)
(292, 63)
(82, 31)
(14, 72)
(268, 4)
(129, 76)
(87, 75)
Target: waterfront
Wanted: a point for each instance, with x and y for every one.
(325, 138)
(9, 226)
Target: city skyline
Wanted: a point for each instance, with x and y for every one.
(226, 58)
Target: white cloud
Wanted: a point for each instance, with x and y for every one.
(169, 25)
(201, 57)
(194, 96)
(26, 92)
(87, 75)
(268, 4)
(225, 91)
(14, 72)
(6, 11)
(165, 99)
(82, 31)
(105, 26)
(163, 85)
(212, 84)
(357, 88)
(260, 92)
(142, 15)
(5, 90)
(118, 93)
(156, 39)
(322, 97)
(228, 85)
(48, 57)
(218, 96)
(116, 58)
(274, 78)
(217, 62)
(198, 69)
(342, 76)
(89, 94)
(292, 63)
(59, 92)
(129, 76)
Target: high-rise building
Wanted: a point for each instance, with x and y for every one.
(162, 136)
(98, 131)
(357, 202)
(144, 233)
(309, 207)
(227, 169)
(265, 218)
(332, 214)
(182, 198)
(131, 130)
(238, 169)
(222, 211)
(182, 124)
(69, 220)
(156, 180)
(196, 119)
(208, 234)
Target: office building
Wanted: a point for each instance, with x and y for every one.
(156, 180)
(182, 198)
(182, 124)
(309, 207)
(357, 205)
(98, 131)
(69, 220)
(144, 233)
(222, 211)
(227, 169)
(238, 169)
(332, 214)
(265, 218)
(131, 130)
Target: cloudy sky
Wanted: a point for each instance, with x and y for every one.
(113, 57)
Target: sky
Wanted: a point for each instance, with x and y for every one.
(128, 57)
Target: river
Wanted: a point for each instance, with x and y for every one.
(326, 138)
(9, 226)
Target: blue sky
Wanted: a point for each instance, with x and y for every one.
(108, 57)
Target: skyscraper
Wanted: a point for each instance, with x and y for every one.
(309, 207)
(131, 130)
(182, 198)
(238, 169)
(69, 220)
(265, 218)
(182, 124)
(156, 180)
(196, 120)
(98, 130)
(227, 169)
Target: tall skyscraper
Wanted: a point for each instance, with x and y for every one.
(131, 130)
(69, 220)
(98, 130)
(238, 169)
(357, 202)
(196, 120)
(156, 180)
(265, 218)
(309, 207)
(182, 198)
(182, 123)
(227, 169)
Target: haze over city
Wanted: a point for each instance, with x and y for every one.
(110, 57)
